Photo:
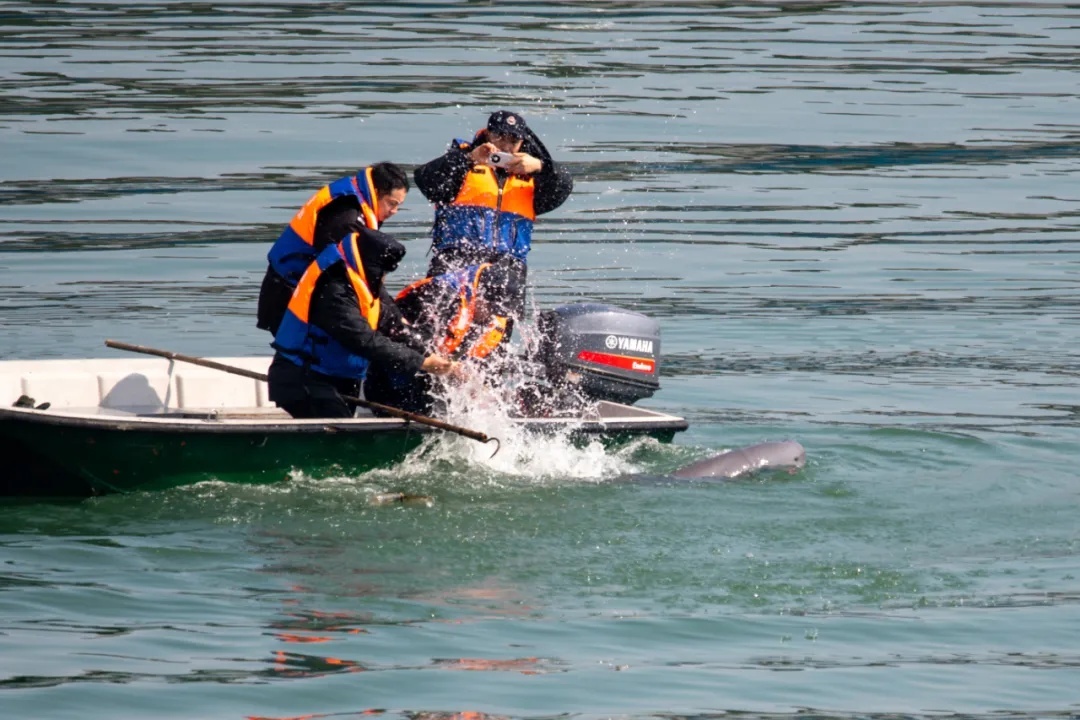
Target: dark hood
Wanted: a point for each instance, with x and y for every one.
(380, 253)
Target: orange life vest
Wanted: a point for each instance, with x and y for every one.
(309, 345)
(294, 249)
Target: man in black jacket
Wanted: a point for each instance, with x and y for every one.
(340, 320)
(487, 193)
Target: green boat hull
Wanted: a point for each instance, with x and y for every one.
(92, 461)
(50, 455)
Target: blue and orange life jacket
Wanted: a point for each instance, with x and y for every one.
(308, 345)
(294, 249)
(485, 216)
(464, 287)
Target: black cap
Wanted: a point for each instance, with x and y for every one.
(504, 122)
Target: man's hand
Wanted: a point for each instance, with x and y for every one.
(436, 365)
(524, 164)
(518, 164)
(482, 153)
(439, 365)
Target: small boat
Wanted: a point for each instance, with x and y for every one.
(86, 427)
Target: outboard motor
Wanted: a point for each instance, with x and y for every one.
(600, 351)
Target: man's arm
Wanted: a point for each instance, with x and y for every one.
(441, 179)
(393, 324)
(553, 187)
(553, 182)
(334, 308)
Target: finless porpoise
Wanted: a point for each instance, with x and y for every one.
(778, 455)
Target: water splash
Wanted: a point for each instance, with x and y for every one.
(523, 454)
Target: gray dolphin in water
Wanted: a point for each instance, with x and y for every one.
(781, 455)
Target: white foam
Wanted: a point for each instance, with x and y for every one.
(524, 455)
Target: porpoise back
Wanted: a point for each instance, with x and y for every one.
(778, 455)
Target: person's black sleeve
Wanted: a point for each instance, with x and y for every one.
(339, 218)
(393, 324)
(427, 309)
(553, 182)
(441, 179)
(553, 187)
(334, 308)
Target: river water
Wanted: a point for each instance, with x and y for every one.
(857, 223)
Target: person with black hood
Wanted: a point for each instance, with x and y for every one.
(462, 314)
(340, 321)
(487, 193)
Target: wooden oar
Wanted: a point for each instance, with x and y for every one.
(392, 411)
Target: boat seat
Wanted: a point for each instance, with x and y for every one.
(62, 390)
(141, 386)
(199, 390)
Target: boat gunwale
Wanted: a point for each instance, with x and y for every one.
(650, 421)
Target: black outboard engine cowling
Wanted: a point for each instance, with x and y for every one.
(601, 351)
